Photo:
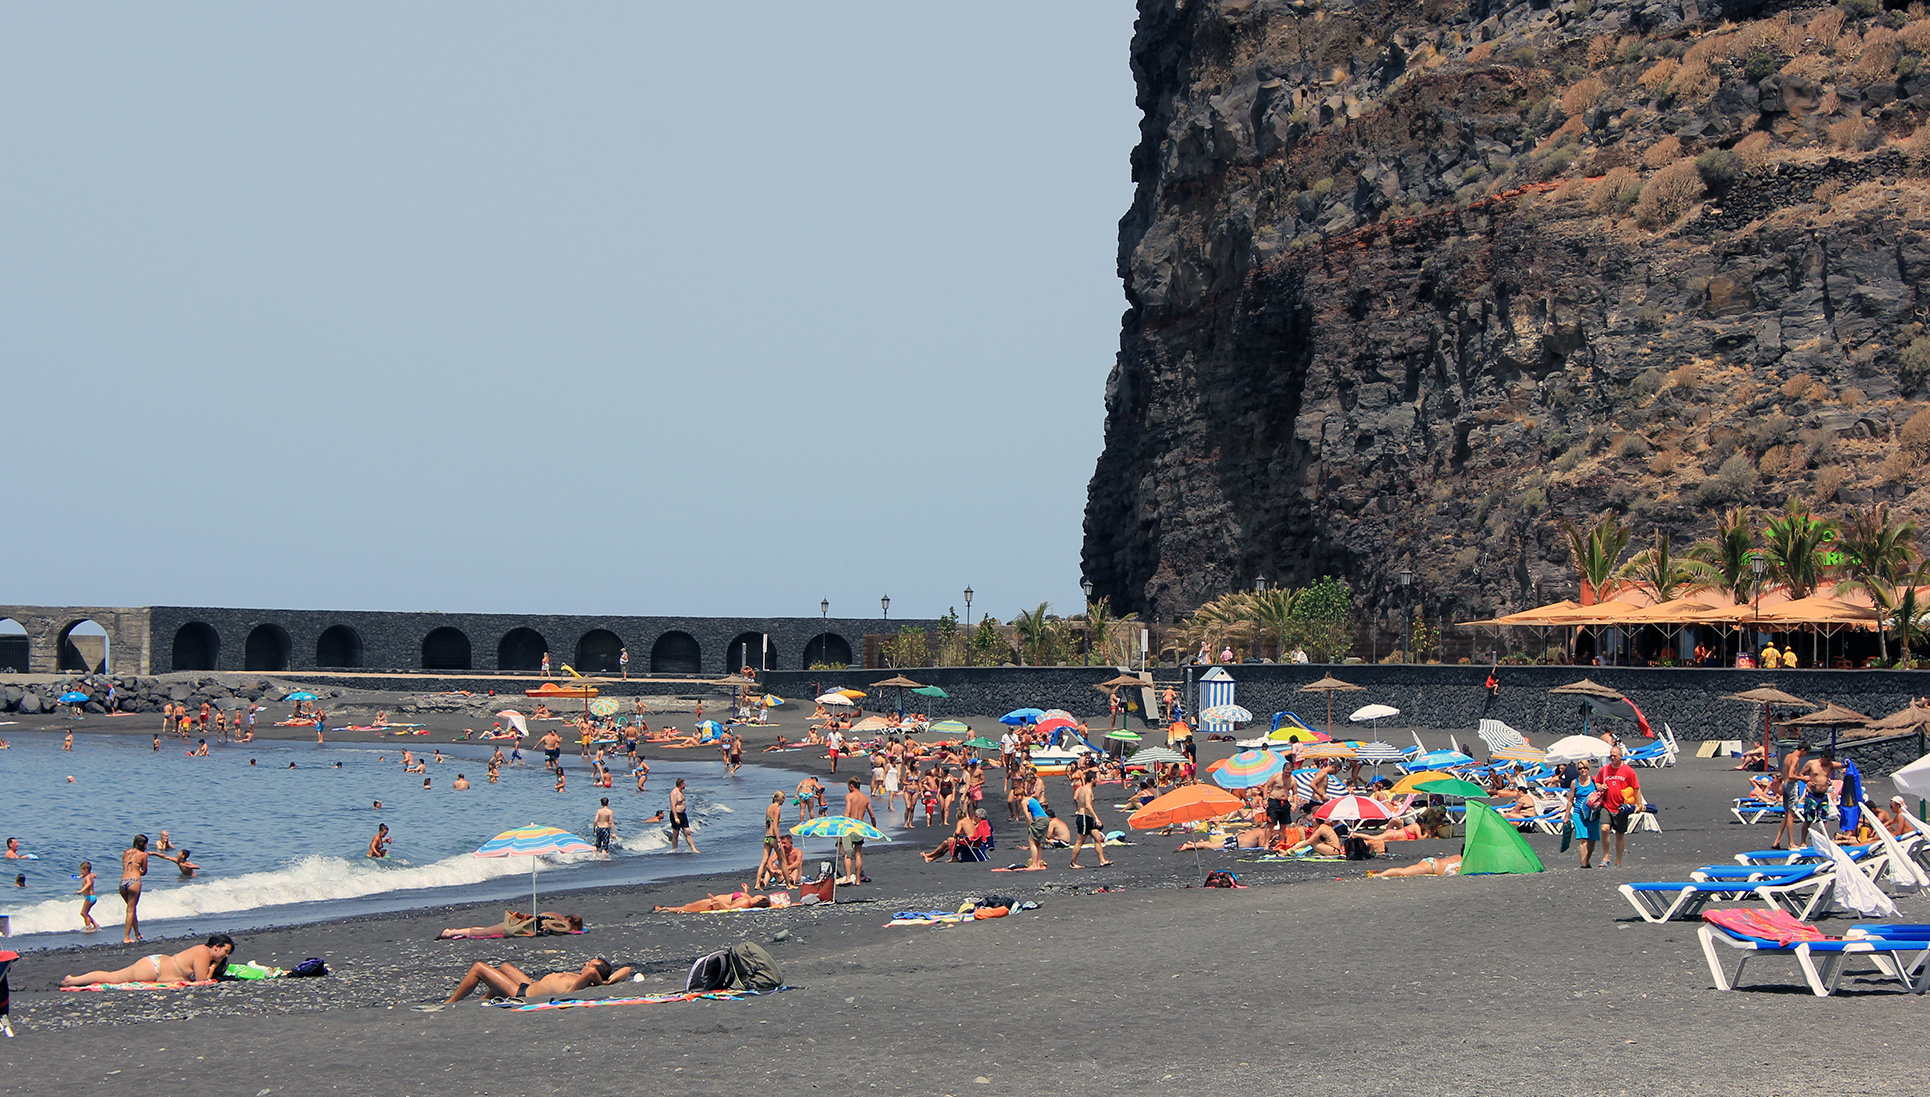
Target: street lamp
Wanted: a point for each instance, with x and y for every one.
(1259, 587)
(884, 603)
(824, 630)
(1407, 582)
(968, 624)
(1085, 585)
(1758, 565)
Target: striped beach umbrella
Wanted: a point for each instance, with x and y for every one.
(950, 727)
(1353, 809)
(1226, 714)
(1248, 768)
(1379, 753)
(1522, 753)
(533, 841)
(1049, 724)
(604, 706)
(1124, 736)
(1328, 750)
(772, 700)
(1155, 756)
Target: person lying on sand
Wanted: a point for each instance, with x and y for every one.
(195, 965)
(519, 924)
(1253, 838)
(1323, 840)
(782, 744)
(736, 900)
(509, 981)
(1426, 866)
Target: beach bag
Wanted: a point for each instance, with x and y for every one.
(518, 924)
(752, 969)
(1221, 879)
(311, 968)
(1357, 849)
(710, 972)
(1594, 800)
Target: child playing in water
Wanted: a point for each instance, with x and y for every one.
(86, 893)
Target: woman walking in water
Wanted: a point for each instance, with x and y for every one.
(133, 869)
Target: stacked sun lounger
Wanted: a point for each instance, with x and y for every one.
(1898, 951)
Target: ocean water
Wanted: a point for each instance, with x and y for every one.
(278, 845)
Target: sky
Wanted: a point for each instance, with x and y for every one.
(595, 308)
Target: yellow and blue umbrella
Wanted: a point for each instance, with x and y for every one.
(1249, 768)
(840, 827)
(772, 700)
(533, 841)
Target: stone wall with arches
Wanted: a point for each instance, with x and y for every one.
(51, 646)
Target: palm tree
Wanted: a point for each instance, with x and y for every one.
(1273, 615)
(1729, 554)
(1665, 573)
(1595, 553)
(1034, 634)
(1912, 621)
(1795, 541)
(1878, 553)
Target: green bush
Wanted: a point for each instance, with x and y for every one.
(1718, 167)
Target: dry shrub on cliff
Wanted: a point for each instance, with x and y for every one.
(1663, 464)
(1581, 95)
(1900, 465)
(1916, 35)
(1794, 388)
(1480, 53)
(1600, 49)
(1659, 74)
(1915, 434)
(1853, 135)
(1918, 143)
(1664, 152)
(1828, 482)
(1827, 189)
(1617, 191)
(1693, 82)
(1754, 150)
(1877, 59)
(1826, 26)
(1569, 190)
(1773, 460)
(1688, 375)
(1668, 194)
(1711, 47)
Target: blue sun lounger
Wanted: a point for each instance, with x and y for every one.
(1665, 901)
(1898, 951)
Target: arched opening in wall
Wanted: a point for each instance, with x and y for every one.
(14, 646)
(83, 648)
(521, 649)
(265, 649)
(827, 647)
(196, 647)
(676, 653)
(597, 652)
(445, 649)
(753, 650)
(338, 646)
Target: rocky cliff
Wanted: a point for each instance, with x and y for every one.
(1406, 279)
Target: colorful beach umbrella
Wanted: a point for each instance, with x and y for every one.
(1185, 805)
(1379, 753)
(1022, 716)
(840, 826)
(1328, 750)
(1353, 809)
(1249, 768)
(711, 726)
(533, 841)
(1123, 736)
(300, 695)
(1054, 723)
(854, 694)
(604, 706)
(1522, 753)
(1225, 714)
(771, 700)
(951, 727)
(1155, 756)
(516, 720)
(1297, 735)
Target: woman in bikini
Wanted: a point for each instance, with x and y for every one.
(133, 868)
(511, 982)
(1426, 866)
(196, 965)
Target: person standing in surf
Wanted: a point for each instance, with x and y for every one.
(133, 870)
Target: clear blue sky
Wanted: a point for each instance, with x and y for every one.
(627, 308)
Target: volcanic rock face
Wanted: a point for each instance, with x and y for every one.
(1406, 279)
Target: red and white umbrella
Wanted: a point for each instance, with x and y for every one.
(1353, 809)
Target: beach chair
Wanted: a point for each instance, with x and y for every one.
(1662, 752)
(1898, 951)
(975, 851)
(1748, 809)
(1666, 901)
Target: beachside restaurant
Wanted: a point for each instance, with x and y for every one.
(1632, 630)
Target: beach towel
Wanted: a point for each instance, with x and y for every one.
(495, 936)
(1768, 925)
(143, 986)
(639, 1000)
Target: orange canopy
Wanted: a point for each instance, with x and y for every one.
(1185, 805)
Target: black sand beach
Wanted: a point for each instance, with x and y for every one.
(1312, 979)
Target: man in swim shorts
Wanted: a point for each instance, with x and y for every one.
(133, 869)
(196, 965)
(680, 818)
(1085, 820)
(856, 806)
(1279, 800)
(510, 981)
(604, 825)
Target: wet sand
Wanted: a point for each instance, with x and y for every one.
(1312, 979)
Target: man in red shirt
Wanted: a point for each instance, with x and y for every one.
(1616, 780)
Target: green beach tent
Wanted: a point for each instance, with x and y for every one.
(1493, 844)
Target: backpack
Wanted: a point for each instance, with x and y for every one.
(313, 967)
(1357, 849)
(740, 967)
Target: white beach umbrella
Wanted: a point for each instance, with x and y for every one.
(1576, 748)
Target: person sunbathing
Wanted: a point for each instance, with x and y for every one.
(1752, 758)
(518, 924)
(972, 829)
(1251, 838)
(196, 965)
(736, 900)
(1426, 866)
(1406, 832)
(1524, 807)
(1323, 840)
(510, 981)
(782, 744)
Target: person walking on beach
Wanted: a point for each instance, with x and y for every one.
(1789, 773)
(856, 806)
(1621, 797)
(1085, 820)
(680, 818)
(133, 870)
(623, 661)
(86, 893)
(1037, 825)
(552, 745)
(546, 664)
(809, 791)
(604, 826)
